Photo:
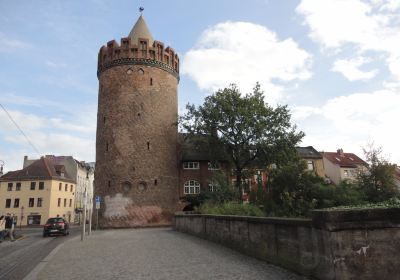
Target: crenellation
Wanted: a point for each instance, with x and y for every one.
(123, 53)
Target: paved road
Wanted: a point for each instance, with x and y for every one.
(18, 258)
(152, 254)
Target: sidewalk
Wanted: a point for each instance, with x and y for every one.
(158, 253)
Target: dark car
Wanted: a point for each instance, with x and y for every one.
(56, 226)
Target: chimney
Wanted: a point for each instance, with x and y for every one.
(340, 152)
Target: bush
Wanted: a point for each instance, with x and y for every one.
(294, 191)
(230, 208)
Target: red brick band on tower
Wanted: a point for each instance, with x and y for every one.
(136, 159)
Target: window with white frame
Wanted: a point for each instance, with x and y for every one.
(213, 165)
(191, 165)
(212, 186)
(191, 187)
(310, 165)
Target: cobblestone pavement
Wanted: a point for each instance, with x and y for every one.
(152, 254)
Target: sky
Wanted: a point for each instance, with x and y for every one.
(335, 63)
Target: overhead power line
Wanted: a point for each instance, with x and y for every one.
(17, 126)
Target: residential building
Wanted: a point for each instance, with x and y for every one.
(84, 183)
(313, 160)
(41, 190)
(198, 166)
(397, 176)
(83, 174)
(341, 166)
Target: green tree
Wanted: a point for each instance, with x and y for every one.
(251, 131)
(294, 190)
(377, 182)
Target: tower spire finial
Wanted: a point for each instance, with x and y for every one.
(141, 9)
(141, 31)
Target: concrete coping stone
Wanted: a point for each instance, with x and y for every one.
(266, 220)
(344, 219)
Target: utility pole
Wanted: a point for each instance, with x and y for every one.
(84, 216)
(90, 214)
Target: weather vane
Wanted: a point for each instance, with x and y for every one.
(141, 9)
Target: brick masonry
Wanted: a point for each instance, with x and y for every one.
(136, 158)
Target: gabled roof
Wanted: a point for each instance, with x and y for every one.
(198, 148)
(308, 152)
(397, 173)
(41, 169)
(344, 159)
(140, 30)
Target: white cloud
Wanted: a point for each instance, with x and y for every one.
(11, 98)
(366, 25)
(350, 68)
(59, 136)
(53, 64)
(351, 121)
(8, 44)
(244, 53)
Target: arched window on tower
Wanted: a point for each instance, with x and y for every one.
(191, 187)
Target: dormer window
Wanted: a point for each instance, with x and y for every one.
(191, 165)
(213, 165)
(338, 159)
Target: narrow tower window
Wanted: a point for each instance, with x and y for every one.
(151, 81)
(155, 182)
(107, 146)
(109, 183)
(104, 119)
(148, 145)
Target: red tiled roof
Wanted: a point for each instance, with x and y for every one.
(344, 159)
(41, 169)
(397, 173)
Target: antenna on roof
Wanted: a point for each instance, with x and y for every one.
(141, 9)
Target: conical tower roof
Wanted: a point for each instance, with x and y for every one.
(140, 30)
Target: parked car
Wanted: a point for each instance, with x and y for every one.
(56, 226)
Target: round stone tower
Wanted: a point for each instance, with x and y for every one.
(136, 159)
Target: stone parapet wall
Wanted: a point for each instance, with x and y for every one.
(357, 244)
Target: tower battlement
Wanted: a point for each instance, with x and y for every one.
(138, 53)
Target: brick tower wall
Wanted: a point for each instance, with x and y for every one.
(136, 160)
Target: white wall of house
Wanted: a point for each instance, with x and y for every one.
(332, 171)
(84, 181)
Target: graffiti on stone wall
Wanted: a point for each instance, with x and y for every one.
(115, 206)
(121, 208)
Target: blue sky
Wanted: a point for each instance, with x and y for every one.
(336, 63)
